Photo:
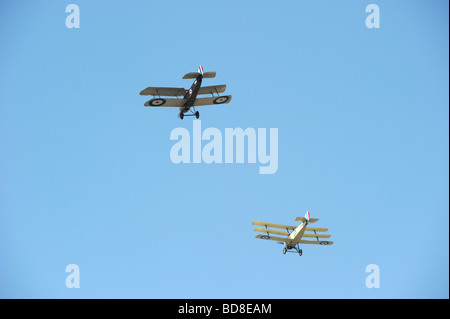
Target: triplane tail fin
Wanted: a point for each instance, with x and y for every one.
(306, 219)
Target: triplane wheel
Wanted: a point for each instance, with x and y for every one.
(197, 114)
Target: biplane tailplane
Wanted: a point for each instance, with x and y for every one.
(193, 75)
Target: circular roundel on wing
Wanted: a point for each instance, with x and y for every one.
(190, 91)
(157, 102)
(265, 237)
(221, 99)
(324, 242)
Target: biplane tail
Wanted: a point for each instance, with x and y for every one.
(193, 75)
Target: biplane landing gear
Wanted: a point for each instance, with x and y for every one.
(300, 252)
(284, 251)
(193, 113)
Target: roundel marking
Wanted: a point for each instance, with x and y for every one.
(324, 242)
(190, 91)
(221, 99)
(157, 102)
(265, 237)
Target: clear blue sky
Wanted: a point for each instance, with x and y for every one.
(86, 177)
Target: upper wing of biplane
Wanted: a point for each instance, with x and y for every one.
(213, 100)
(214, 89)
(159, 91)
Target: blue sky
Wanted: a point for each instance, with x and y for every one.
(86, 177)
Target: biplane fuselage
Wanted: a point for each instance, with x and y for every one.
(296, 235)
(191, 94)
(189, 97)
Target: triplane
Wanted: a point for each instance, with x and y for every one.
(189, 99)
(294, 238)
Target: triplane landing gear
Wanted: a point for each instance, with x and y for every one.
(296, 249)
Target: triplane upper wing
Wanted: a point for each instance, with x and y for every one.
(258, 223)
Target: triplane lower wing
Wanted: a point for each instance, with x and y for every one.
(293, 235)
(189, 97)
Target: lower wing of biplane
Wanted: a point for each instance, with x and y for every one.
(181, 102)
(293, 235)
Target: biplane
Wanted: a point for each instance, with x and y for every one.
(189, 99)
(294, 234)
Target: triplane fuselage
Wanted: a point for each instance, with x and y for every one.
(295, 237)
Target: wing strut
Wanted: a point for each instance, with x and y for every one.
(316, 235)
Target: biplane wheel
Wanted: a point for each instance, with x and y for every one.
(300, 252)
(284, 251)
(197, 114)
(181, 115)
(221, 99)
